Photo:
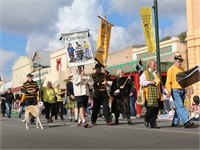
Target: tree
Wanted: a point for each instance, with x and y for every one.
(182, 37)
(165, 38)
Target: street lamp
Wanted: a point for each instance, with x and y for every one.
(39, 66)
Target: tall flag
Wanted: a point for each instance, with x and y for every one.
(146, 15)
(139, 67)
(103, 42)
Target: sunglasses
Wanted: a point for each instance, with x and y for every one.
(179, 61)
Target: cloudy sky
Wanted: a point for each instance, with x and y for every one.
(30, 25)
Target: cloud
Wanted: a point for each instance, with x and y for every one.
(179, 25)
(5, 65)
(79, 16)
(25, 16)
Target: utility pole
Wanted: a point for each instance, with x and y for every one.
(155, 7)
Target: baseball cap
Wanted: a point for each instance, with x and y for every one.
(178, 57)
(29, 75)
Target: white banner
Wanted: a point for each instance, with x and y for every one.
(78, 48)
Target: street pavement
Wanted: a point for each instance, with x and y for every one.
(67, 135)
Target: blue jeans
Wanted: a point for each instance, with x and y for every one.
(133, 110)
(88, 110)
(9, 108)
(180, 110)
(22, 108)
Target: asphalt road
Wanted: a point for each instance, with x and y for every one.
(67, 135)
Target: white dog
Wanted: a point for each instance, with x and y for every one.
(35, 111)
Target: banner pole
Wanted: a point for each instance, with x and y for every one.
(104, 19)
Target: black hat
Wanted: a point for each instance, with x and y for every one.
(178, 57)
(196, 98)
(29, 75)
(97, 66)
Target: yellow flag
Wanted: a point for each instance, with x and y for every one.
(146, 15)
(103, 42)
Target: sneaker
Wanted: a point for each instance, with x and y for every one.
(76, 120)
(188, 124)
(85, 125)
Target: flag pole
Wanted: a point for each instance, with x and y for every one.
(104, 19)
(155, 7)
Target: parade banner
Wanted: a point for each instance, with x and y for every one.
(146, 15)
(78, 48)
(189, 77)
(103, 42)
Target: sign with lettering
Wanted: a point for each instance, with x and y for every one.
(163, 50)
(78, 48)
(129, 67)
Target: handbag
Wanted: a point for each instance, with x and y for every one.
(140, 96)
(116, 92)
(55, 97)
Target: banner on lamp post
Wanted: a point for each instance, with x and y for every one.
(146, 15)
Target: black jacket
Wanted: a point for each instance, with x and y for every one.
(9, 97)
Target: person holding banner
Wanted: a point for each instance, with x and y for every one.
(151, 80)
(81, 85)
(120, 90)
(101, 95)
(177, 93)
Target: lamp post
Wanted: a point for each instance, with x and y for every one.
(155, 7)
(39, 69)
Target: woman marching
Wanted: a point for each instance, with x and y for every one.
(120, 90)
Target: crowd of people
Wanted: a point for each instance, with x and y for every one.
(85, 95)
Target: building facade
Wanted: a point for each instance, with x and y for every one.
(193, 37)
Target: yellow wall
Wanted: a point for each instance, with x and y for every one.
(193, 37)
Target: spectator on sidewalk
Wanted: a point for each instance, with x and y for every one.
(195, 109)
(9, 100)
(90, 106)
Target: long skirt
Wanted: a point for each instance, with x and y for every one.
(121, 105)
